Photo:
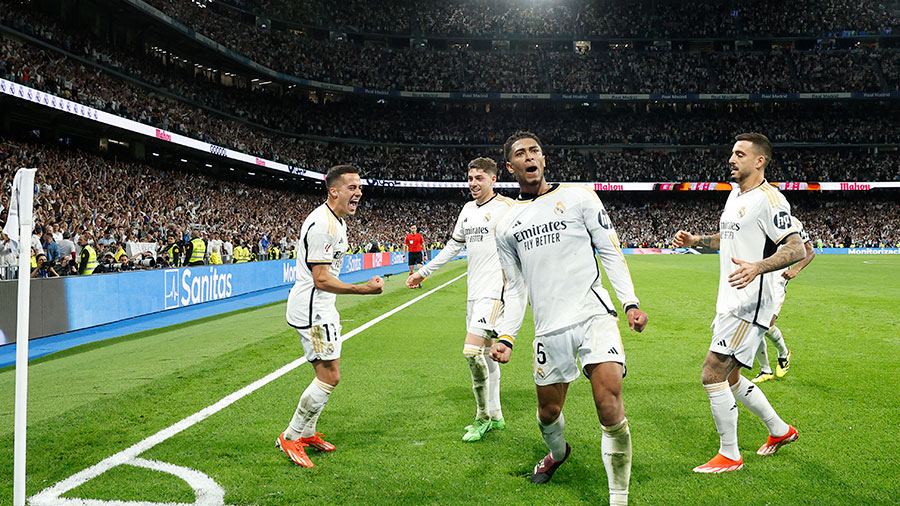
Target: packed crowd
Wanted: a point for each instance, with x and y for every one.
(835, 221)
(461, 124)
(461, 69)
(86, 199)
(112, 202)
(600, 18)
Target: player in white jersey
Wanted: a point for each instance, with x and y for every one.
(484, 304)
(310, 306)
(774, 333)
(756, 220)
(546, 244)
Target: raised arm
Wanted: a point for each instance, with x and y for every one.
(684, 239)
(324, 281)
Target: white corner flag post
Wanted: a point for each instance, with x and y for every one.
(18, 228)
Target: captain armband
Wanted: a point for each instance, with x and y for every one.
(509, 341)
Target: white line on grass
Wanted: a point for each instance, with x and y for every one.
(51, 495)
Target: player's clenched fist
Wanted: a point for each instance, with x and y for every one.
(414, 280)
(684, 239)
(375, 285)
(637, 319)
(500, 352)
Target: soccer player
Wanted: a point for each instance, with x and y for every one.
(310, 306)
(484, 305)
(414, 243)
(774, 333)
(546, 245)
(756, 219)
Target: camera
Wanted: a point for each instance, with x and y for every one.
(145, 262)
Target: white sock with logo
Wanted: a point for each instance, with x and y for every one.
(479, 369)
(303, 423)
(615, 445)
(755, 400)
(493, 385)
(724, 411)
(762, 356)
(553, 436)
(774, 335)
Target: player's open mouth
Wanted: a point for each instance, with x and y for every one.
(352, 205)
(531, 168)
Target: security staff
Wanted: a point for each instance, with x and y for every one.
(88, 260)
(274, 253)
(195, 250)
(173, 251)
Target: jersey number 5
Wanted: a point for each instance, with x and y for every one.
(539, 354)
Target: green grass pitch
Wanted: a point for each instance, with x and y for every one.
(397, 416)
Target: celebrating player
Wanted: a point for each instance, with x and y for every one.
(310, 306)
(414, 244)
(774, 333)
(756, 219)
(546, 244)
(484, 306)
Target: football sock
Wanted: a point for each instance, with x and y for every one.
(616, 448)
(303, 423)
(762, 356)
(755, 400)
(479, 369)
(774, 335)
(553, 436)
(724, 411)
(493, 398)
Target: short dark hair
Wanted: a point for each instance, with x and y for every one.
(335, 173)
(521, 134)
(760, 141)
(488, 165)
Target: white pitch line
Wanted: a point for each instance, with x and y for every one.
(51, 494)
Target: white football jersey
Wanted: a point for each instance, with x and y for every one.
(323, 240)
(475, 230)
(753, 225)
(547, 243)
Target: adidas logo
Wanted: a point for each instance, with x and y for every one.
(482, 320)
(749, 390)
(318, 317)
(722, 344)
(733, 407)
(516, 224)
(613, 351)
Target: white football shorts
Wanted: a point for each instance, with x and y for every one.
(482, 316)
(321, 342)
(593, 341)
(737, 338)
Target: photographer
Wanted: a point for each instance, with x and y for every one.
(68, 267)
(44, 269)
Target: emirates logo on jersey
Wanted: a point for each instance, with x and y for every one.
(560, 208)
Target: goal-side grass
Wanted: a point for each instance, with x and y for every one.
(397, 416)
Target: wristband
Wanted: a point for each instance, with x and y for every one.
(630, 306)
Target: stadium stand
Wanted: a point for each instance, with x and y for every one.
(834, 47)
